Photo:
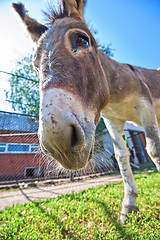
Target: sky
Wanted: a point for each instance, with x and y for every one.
(131, 26)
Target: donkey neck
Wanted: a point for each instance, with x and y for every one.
(120, 77)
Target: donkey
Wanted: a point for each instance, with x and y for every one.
(78, 83)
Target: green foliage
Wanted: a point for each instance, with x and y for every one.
(101, 127)
(107, 49)
(24, 94)
(91, 214)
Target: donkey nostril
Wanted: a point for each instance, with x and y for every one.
(74, 136)
(77, 137)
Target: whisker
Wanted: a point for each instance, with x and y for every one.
(101, 162)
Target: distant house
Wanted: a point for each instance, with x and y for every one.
(135, 140)
(19, 146)
(103, 149)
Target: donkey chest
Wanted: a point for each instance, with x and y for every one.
(156, 105)
(125, 110)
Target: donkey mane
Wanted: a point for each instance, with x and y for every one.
(60, 11)
(52, 14)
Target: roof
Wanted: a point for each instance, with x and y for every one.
(18, 122)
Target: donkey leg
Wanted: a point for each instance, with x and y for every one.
(116, 130)
(149, 122)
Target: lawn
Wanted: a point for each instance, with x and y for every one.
(88, 215)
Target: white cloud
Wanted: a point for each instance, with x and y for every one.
(15, 44)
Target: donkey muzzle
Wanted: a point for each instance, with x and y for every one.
(65, 133)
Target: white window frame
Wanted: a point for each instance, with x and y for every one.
(19, 152)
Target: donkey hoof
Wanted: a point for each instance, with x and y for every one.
(131, 209)
(123, 218)
(125, 213)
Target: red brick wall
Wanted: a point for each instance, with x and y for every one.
(18, 137)
(13, 165)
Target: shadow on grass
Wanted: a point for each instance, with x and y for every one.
(53, 217)
(119, 227)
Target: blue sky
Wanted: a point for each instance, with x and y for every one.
(132, 26)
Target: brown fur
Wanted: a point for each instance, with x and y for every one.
(80, 71)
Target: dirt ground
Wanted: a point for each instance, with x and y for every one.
(42, 191)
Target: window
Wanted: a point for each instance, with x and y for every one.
(14, 148)
(2, 147)
(139, 143)
(34, 147)
(18, 148)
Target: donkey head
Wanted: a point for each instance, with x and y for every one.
(72, 91)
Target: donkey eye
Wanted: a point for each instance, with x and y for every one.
(80, 41)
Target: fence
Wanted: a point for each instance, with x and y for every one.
(21, 158)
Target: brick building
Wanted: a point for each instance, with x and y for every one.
(19, 147)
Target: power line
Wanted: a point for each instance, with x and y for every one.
(6, 100)
(15, 75)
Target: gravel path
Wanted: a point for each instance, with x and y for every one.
(10, 198)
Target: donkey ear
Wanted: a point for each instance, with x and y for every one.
(34, 28)
(74, 8)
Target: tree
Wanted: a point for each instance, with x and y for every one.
(107, 49)
(24, 94)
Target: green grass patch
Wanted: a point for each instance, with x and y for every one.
(14, 189)
(88, 215)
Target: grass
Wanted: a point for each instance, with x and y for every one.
(88, 215)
